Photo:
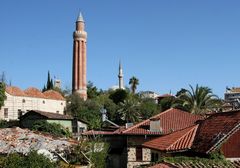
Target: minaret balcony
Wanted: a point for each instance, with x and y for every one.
(80, 35)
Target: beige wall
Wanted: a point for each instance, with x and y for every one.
(15, 103)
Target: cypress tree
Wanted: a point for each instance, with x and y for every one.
(48, 81)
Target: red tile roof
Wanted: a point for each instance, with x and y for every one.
(93, 132)
(179, 140)
(199, 164)
(51, 94)
(34, 92)
(170, 120)
(15, 91)
(163, 165)
(165, 95)
(214, 130)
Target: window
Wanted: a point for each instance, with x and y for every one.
(138, 153)
(19, 113)
(5, 112)
(154, 157)
(23, 100)
(43, 102)
(61, 103)
(81, 129)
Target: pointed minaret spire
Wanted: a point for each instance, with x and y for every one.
(120, 76)
(80, 17)
(79, 79)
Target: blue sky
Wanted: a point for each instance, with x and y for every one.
(166, 44)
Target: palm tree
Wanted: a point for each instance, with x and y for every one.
(128, 110)
(197, 101)
(133, 82)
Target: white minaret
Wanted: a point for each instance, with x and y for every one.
(120, 76)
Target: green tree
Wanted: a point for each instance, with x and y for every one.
(33, 159)
(129, 110)
(92, 90)
(2, 94)
(133, 82)
(88, 110)
(118, 96)
(3, 78)
(197, 101)
(148, 108)
(109, 105)
(49, 84)
(166, 103)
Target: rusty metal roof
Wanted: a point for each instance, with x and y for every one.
(48, 115)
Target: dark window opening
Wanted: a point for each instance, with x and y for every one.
(154, 157)
(6, 113)
(19, 113)
(139, 153)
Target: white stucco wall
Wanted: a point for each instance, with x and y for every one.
(15, 103)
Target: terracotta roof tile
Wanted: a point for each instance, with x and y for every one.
(93, 132)
(34, 92)
(51, 94)
(214, 129)
(179, 140)
(165, 95)
(199, 164)
(49, 115)
(15, 91)
(163, 165)
(170, 120)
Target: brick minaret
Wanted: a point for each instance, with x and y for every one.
(79, 81)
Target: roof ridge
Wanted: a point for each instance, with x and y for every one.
(144, 121)
(194, 129)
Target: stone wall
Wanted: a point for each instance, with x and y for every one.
(146, 157)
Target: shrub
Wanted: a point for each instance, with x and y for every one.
(3, 124)
(52, 128)
(31, 160)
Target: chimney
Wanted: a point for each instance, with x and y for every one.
(128, 125)
(155, 125)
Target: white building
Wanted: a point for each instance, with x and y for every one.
(19, 102)
(149, 94)
(232, 96)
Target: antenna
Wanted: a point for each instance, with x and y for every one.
(103, 111)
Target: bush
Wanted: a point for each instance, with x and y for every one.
(3, 124)
(31, 160)
(52, 128)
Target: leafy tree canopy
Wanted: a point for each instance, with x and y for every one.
(198, 100)
(2, 94)
(118, 96)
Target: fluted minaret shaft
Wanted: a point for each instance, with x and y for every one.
(79, 80)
